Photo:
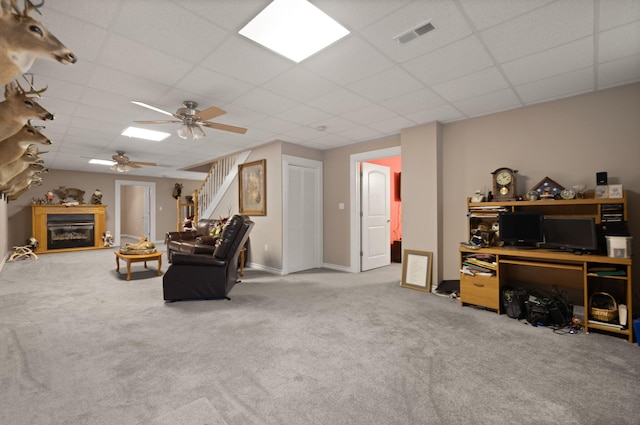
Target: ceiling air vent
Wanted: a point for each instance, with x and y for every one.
(414, 33)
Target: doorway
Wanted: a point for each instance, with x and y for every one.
(357, 230)
(134, 211)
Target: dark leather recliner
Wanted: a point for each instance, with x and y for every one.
(201, 276)
(196, 241)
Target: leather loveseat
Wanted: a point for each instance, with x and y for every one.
(196, 241)
(200, 276)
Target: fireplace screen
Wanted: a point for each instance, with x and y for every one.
(70, 231)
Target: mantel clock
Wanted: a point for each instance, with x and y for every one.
(504, 184)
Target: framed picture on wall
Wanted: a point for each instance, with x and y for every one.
(252, 187)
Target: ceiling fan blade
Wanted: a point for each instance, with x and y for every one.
(150, 164)
(132, 165)
(209, 113)
(162, 111)
(225, 127)
(158, 122)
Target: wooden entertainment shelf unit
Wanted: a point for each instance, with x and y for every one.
(578, 275)
(40, 224)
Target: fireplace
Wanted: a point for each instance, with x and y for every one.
(70, 231)
(60, 228)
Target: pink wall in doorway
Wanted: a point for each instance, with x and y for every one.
(395, 165)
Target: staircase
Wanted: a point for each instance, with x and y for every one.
(222, 173)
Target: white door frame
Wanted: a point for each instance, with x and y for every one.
(151, 206)
(356, 209)
(308, 163)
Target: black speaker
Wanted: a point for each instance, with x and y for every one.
(601, 178)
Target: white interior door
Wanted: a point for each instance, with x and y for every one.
(302, 214)
(376, 216)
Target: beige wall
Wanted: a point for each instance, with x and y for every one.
(568, 140)
(19, 211)
(336, 182)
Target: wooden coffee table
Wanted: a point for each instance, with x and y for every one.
(136, 258)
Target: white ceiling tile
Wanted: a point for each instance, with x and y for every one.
(347, 61)
(555, 24)
(100, 13)
(169, 28)
(360, 134)
(626, 70)
(149, 63)
(136, 88)
(418, 100)
(303, 115)
(339, 102)
(300, 84)
(443, 113)
(559, 60)
(273, 124)
(557, 86)
(487, 13)
(369, 114)
(488, 103)
(65, 28)
(613, 13)
(619, 42)
(392, 125)
(213, 85)
(460, 58)
(225, 13)
(390, 83)
(449, 25)
(334, 124)
(357, 14)
(476, 84)
(246, 61)
(264, 101)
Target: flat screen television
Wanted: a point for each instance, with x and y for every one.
(575, 234)
(521, 229)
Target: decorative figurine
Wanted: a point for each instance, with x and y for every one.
(96, 198)
(107, 238)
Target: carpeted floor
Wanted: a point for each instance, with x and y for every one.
(81, 345)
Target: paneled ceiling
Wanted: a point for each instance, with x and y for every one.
(484, 56)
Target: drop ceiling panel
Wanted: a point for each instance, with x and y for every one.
(487, 13)
(449, 25)
(469, 86)
(544, 28)
(619, 42)
(460, 58)
(300, 84)
(559, 86)
(556, 61)
(495, 101)
(166, 26)
(387, 84)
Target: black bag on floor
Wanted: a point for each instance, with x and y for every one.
(514, 302)
(545, 309)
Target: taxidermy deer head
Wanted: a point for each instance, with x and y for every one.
(23, 40)
(18, 108)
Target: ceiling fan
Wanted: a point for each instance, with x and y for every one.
(192, 119)
(123, 163)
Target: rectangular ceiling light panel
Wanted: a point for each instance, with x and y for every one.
(143, 133)
(296, 29)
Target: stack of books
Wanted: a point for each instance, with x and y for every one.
(479, 264)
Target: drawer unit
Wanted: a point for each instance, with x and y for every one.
(480, 290)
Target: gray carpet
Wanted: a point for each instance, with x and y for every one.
(81, 345)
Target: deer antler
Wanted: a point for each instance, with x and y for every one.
(28, 7)
(32, 91)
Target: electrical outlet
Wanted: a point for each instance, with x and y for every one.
(266, 247)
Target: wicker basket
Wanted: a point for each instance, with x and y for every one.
(603, 314)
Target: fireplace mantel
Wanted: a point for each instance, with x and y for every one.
(40, 212)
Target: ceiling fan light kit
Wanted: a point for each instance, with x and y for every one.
(121, 168)
(192, 119)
